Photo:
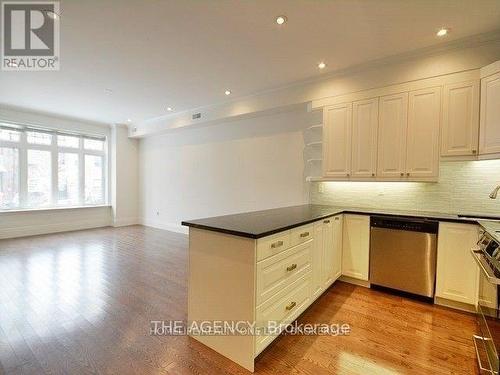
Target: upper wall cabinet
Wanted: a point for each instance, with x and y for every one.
(392, 136)
(399, 132)
(364, 138)
(424, 112)
(489, 143)
(460, 121)
(337, 140)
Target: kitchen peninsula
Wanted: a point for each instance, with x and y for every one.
(271, 265)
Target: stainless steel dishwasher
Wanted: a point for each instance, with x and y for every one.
(403, 254)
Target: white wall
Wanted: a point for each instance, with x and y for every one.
(463, 188)
(124, 177)
(227, 168)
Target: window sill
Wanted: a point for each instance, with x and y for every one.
(21, 210)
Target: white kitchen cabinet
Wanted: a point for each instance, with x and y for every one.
(327, 256)
(489, 142)
(337, 131)
(328, 253)
(456, 271)
(392, 130)
(356, 246)
(424, 113)
(317, 260)
(460, 121)
(364, 138)
(337, 246)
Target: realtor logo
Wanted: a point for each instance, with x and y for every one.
(30, 35)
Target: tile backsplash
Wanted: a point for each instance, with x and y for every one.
(463, 188)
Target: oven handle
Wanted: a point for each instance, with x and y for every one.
(485, 268)
(476, 338)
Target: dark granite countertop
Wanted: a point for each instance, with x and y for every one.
(259, 224)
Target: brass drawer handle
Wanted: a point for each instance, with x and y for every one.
(402, 174)
(408, 174)
(326, 221)
(305, 234)
(276, 244)
(291, 306)
(291, 268)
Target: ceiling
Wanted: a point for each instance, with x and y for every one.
(184, 54)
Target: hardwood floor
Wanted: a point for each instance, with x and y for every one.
(82, 302)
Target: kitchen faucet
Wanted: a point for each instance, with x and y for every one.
(494, 193)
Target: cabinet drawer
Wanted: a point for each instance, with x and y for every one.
(272, 245)
(283, 308)
(278, 271)
(301, 234)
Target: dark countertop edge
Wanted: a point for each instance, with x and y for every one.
(260, 235)
(458, 219)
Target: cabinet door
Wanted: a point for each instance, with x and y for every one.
(317, 260)
(424, 113)
(328, 258)
(392, 129)
(457, 272)
(460, 128)
(364, 138)
(337, 140)
(356, 246)
(490, 115)
(337, 247)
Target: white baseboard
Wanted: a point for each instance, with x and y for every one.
(352, 280)
(455, 305)
(166, 226)
(126, 221)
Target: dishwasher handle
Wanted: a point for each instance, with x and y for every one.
(405, 223)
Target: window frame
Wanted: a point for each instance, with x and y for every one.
(23, 146)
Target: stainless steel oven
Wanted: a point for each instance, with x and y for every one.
(487, 342)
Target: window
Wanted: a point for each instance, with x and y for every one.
(9, 135)
(9, 178)
(39, 178)
(43, 168)
(68, 187)
(93, 179)
(68, 141)
(39, 138)
(93, 144)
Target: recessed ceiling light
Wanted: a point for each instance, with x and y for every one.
(227, 92)
(129, 120)
(322, 65)
(442, 32)
(108, 91)
(280, 20)
(170, 109)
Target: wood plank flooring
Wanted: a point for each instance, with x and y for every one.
(82, 302)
